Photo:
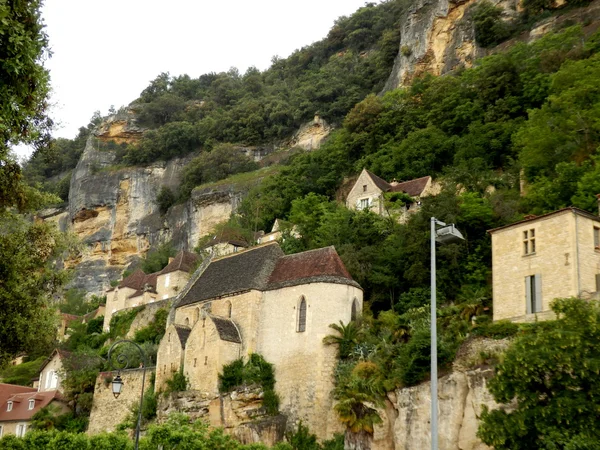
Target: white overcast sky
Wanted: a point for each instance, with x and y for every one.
(106, 52)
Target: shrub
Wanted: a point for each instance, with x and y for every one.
(495, 330)
(155, 329)
(121, 321)
(165, 199)
(177, 383)
(490, 29)
(302, 439)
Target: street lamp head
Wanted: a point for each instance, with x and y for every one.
(117, 386)
(448, 234)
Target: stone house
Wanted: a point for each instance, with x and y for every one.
(18, 404)
(276, 233)
(541, 258)
(368, 193)
(261, 301)
(224, 246)
(140, 289)
(51, 373)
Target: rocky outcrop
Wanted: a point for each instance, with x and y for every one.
(461, 397)
(240, 413)
(311, 135)
(115, 214)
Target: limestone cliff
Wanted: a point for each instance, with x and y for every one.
(115, 214)
(461, 396)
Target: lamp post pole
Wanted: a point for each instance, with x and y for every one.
(118, 384)
(444, 235)
(434, 380)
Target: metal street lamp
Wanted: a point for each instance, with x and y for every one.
(445, 235)
(117, 383)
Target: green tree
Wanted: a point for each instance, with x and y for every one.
(549, 376)
(29, 281)
(23, 91)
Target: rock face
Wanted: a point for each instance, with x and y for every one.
(239, 413)
(461, 396)
(437, 37)
(115, 213)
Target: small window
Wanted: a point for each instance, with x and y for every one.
(228, 309)
(31, 403)
(1, 431)
(364, 203)
(9, 406)
(167, 280)
(598, 282)
(187, 322)
(364, 188)
(302, 316)
(195, 359)
(21, 429)
(597, 238)
(205, 360)
(354, 312)
(529, 242)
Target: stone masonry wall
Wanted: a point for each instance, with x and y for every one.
(108, 411)
(554, 259)
(304, 366)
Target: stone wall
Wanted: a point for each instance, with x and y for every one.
(304, 366)
(108, 411)
(146, 315)
(239, 413)
(564, 257)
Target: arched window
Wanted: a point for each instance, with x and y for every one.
(354, 313)
(301, 315)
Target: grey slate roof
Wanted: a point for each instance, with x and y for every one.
(183, 333)
(226, 329)
(232, 274)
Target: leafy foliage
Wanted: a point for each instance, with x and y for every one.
(122, 320)
(551, 373)
(177, 383)
(155, 330)
(255, 371)
(75, 302)
(23, 373)
(157, 259)
(29, 280)
(490, 29)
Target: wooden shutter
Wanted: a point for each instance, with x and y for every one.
(538, 293)
(598, 282)
(528, 294)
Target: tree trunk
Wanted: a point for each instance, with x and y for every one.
(357, 441)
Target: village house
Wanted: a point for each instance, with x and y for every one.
(18, 404)
(276, 233)
(261, 301)
(51, 373)
(219, 246)
(140, 289)
(538, 259)
(368, 193)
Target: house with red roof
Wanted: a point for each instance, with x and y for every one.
(18, 404)
(263, 301)
(140, 289)
(369, 189)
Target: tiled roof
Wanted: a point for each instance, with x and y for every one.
(414, 188)
(238, 272)
(8, 390)
(379, 182)
(134, 281)
(69, 317)
(20, 409)
(184, 261)
(572, 209)
(183, 333)
(313, 266)
(227, 329)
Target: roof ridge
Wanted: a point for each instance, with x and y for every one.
(573, 209)
(247, 250)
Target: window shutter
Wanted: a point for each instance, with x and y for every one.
(538, 293)
(598, 282)
(528, 294)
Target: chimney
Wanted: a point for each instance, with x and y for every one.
(394, 182)
(171, 258)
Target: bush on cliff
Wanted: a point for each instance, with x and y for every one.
(548, 385)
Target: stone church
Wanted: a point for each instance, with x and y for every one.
(262, 301)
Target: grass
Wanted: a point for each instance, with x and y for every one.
(243, 179)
